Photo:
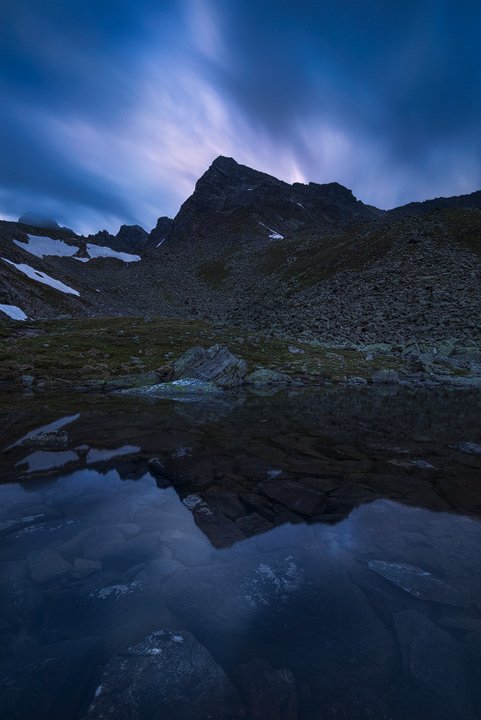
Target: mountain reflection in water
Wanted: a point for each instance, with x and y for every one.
(313, 556)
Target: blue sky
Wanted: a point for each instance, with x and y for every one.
(112, 109)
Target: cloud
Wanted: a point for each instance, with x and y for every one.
(112, 110)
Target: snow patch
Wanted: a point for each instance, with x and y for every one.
(42, 246)
(98, 251)
(42, 277)
(273, 234)
(13, 312)
(160, 243)
(273, 474)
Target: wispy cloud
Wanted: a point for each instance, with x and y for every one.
(111, 111)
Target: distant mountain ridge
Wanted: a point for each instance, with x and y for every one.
(470, 200)
(246, 249)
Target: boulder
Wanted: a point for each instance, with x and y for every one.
(215, 365)
(470, 448)
(47, 681)
(431, 657)
(47, 565)
(385, 376)
(268, 693)
(306, 615)
(421, 583)
(168, 675)
(264, 376)
(185, 389)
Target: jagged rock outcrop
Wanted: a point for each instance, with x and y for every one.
(301, 261)
(161, 231)
(130, 238)
(234, 202)
(214, 365)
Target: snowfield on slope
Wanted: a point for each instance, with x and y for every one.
(42, 246)
(42, 277)
(273, 234)
(97, 251)
(13, 312)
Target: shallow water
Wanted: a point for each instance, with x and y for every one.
(307, 556)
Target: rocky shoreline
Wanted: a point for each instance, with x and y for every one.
(149, 358)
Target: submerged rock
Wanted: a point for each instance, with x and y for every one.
(47, 565)
(47, 681)
(421, 583)
(268, 693)
(213, 365)
(432, 658)
(168, 675)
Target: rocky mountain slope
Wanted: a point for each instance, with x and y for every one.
(305, 261)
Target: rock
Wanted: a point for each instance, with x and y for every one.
(268, 693)
(185, 389)
(161, 231)
(135, 380)
(27, 381)
(311, 616)
(47, 565)
(385, 376)
(466, 624)
(471, 381)
(103, 542)
(354, 380)
(421, 583)
(48, 681)
(264, 376)
(470, 448)
(168, 675)
(214, 365)
(83, 568)
(432, 658)
(19, 601)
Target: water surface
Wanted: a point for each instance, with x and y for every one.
(305, 556)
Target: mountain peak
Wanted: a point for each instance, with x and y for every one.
(222, 162)
(38, 220)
